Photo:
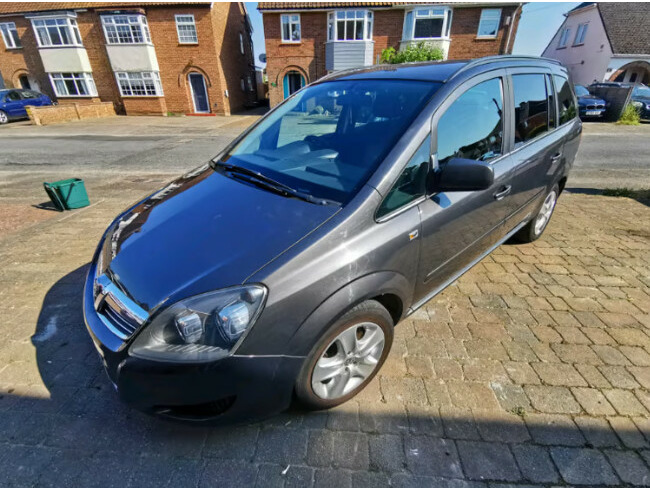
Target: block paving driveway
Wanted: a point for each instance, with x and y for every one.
(533, 368)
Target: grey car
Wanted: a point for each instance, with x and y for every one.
(279, 271)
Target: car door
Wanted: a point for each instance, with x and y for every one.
(457, 228)
(31, 98)
(13, 105)
(537, 145)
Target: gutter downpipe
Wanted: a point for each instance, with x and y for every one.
(512, 23)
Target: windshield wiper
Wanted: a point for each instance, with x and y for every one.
(268, 183)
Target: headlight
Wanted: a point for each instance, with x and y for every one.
(201, 328)
(637, 104)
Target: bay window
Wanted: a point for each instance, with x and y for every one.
(10, 35)
(349, 25)
(488, 26)
(57, 32)
(139, 84)
(73, 84)
(427, 23)
(126, 29)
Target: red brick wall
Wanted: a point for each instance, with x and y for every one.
(139, 106)
(308, 56)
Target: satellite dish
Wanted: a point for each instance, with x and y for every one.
(262, 57)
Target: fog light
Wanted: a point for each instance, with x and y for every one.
(190, 327)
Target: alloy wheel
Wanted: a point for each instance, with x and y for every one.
(3, 118)
(350, 359)
(545, 213)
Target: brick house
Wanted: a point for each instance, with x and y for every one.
(146, 58)
(307, 40)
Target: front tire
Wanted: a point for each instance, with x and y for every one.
(346, 358)
(535, 227)
(4, 119)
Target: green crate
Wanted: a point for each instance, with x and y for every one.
(67, 194)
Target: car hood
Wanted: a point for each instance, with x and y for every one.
(643, 99)
(202, 232)
(590, 99)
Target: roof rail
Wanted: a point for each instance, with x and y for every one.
(502, 57)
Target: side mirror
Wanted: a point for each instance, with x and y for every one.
(461, 174)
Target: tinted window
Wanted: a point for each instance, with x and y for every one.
(472, 127)
(566, 101)
(551, 102)
(409, 185)
(531, 107)
(329, 138)
(13, 96)
(30, 94)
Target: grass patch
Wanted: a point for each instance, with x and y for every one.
(627, 192)
(630, 116)
(174, 114)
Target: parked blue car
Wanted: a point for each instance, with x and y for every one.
(589, 105)
(640, 97)
(14, 101)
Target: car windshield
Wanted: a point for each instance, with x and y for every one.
(641, 91)
(328, 139)
(581, 90)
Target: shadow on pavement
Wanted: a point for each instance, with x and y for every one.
(639, 196)
(79, 434)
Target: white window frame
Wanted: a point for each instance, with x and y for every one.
(10, 35)
(289, 19)
(185, 37)
(426, 12)
(564, 38)
(365, 16)
(489, 15)
(76, 78)
(133, 78)
(135, 22)
(581, 33)
(67, 24)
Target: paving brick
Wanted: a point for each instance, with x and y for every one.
(500, 426)
(558, 374)
(597, 431)
(593, 401)
(625, 402)
(522, 373)
(628, 433)
(386, 453)
(619, 377)
(488, 461)
(583, 466)
(448, 369)
(280, 445)
(598, 336)
(535, 463)
(575, 353)
(629, 336)
(553, 430)
(332, 478)
(552, 399)
(459, 424)
(367, 479)
(419, 367)
(432, 456)
(351, 451)
(229, 443)
(404, 390)
(593, 376)
(629, 467)
(320, 448)
(239, 474)
(486, 349)
(483, 370)
(471, 395)
(636, 355)
(512, 398)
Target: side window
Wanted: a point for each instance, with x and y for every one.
(409, 185)
(13, 96)
(472, 127)
(551, 102)
(566, 101)
(531, 107)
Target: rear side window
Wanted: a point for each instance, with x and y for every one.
(472, 127)
(409, 185)
(566, 101)
(531, 107)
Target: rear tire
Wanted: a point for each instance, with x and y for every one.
(346, 358)
(536, 226)
(4, 119)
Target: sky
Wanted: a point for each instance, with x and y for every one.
(539, 22)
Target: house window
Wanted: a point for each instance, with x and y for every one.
(139, 84)
(186, 29)
(580, 34)
(242, 85)
(427, 23)
(126, 29)
(564, 38)
(249, 83)
(349, 25)
(488, 26)
(10, 35)
(290, 28)
(73, 84)
(57, 32)
(241, 43)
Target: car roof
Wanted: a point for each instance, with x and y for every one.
(438, 71)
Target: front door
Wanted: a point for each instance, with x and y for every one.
(293, 81)
(458, 227)
(199, 93)
(24, 82)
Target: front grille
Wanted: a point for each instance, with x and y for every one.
(119, 313)
(202, 411)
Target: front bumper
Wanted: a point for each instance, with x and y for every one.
(594, 113)
(235, 388)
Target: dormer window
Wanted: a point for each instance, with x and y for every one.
(427, 23)
(126, 29)
(349, 25)
(57, 32)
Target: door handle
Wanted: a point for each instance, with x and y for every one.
(556, 157)
(503, 192)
